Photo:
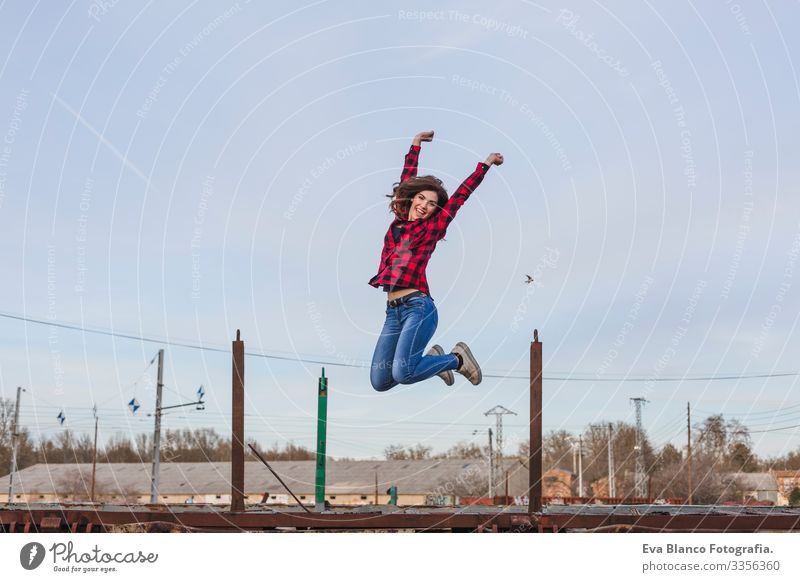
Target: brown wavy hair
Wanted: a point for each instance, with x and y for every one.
(403, 194)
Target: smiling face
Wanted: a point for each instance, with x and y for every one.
(423, 205)
(418, 198)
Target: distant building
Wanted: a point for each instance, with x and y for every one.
(423, 482)
(786, 481)
(557, 483)
(599, 488)
(757, 486)
(760, 487)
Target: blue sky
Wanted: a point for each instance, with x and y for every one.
(180, 171)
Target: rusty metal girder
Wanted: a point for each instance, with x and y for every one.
(674, 523)
(66, 520)
(145, 518)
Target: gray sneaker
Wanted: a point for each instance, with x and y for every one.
(470, 368)
(446, 375)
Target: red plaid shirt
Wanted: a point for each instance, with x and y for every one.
(403, 263)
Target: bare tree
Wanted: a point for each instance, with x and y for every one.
(471, 481)
(466, 450)
(556, 450)
(200, 445)
(403, 453)
(120, 449)
(289, 452)
(26, 451)
(788, 462)
(76, 486)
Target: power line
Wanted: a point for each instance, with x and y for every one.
(759, 412)
(81, 417)
(772, 421)
(315, 359)
(776, 429)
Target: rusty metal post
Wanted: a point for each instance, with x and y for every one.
(535, 449)
(689, 448)
(237, 422)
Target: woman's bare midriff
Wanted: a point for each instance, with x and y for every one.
(400, 293)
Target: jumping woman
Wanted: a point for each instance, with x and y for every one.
(422, 212)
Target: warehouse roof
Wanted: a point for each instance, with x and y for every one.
(411, 477)
(755, 481)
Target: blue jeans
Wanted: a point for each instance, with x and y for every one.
(398, 355)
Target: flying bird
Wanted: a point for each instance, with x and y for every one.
(528, 279)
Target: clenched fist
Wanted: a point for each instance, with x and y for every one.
(423, 136)
(494, 158)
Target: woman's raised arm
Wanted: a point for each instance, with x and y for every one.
(442, 219)
(412, 157)
(422, 136)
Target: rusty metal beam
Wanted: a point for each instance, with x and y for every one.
(207, 519)
(254, 521)
(684, 522)
(237, 439)
(278, 477)
(535, 440)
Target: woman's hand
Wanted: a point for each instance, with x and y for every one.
(494, 158)
(423, 136)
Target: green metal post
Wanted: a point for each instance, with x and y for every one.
(322, 429)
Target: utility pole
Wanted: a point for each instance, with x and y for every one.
(689, 448)
(574, 457)
(200, 405)
(94, 455)
(577, 462)
(639, 448)
(498, 412)
(14, 442)
(612, 484)
(492, 463)
(157, 433)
